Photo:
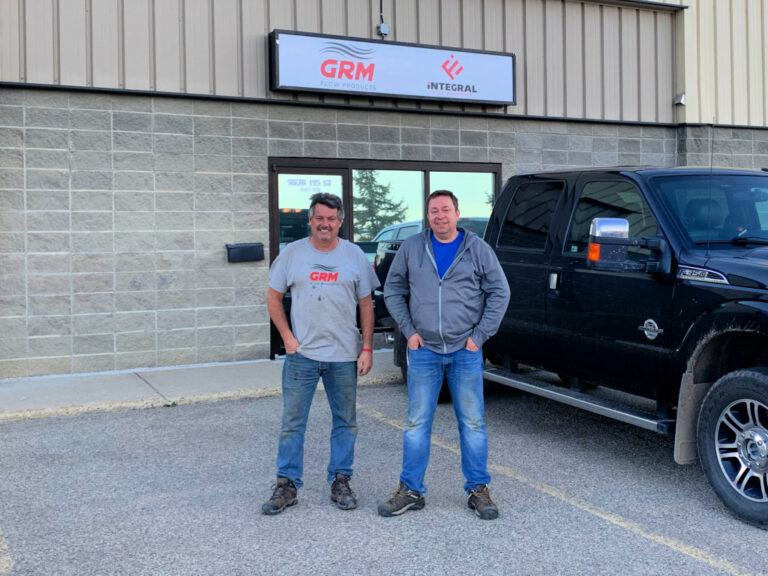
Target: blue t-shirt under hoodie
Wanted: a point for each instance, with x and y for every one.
(445, 252)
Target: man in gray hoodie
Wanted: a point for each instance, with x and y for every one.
(448, 294)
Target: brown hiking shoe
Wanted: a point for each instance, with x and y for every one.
(283, 496)
(480, 501)
(342, 494)
(402, 500)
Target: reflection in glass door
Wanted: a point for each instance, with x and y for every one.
(385, 201)
(294, 192)
(476, 194)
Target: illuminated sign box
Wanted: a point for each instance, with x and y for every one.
(321, 63)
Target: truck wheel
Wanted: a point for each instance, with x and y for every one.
(733, 442)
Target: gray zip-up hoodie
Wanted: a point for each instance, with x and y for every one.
(470, 299)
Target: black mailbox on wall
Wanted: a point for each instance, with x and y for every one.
(247, 252)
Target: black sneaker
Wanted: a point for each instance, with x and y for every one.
(402, 500)
(480, 501)
(283, 496)
(342, 494)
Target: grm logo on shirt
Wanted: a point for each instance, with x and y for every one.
(325, 274)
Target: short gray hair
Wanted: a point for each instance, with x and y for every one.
(326, 199)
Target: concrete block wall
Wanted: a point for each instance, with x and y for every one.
(723, 147)
(115, 209)
(554, 145)
(114, 214)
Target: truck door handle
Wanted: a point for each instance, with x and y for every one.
(554, 281)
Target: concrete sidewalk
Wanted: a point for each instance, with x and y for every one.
(45, 396)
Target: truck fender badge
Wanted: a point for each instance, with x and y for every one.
(650, 329)
(701, 275)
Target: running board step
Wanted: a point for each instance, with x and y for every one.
(581, 400)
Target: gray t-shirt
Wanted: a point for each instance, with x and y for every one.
(325, 288)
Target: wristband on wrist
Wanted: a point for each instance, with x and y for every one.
(367, 350)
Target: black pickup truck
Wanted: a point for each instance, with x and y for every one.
(652, 283)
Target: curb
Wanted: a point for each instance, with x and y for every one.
(162, 402)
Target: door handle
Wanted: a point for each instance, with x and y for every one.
(554, 281)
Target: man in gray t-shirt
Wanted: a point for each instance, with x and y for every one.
(328, 278)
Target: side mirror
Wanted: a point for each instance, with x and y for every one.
(608, 243)
(607, 255)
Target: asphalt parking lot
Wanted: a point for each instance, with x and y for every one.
(179, 490)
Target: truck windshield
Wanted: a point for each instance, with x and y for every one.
(718, 208)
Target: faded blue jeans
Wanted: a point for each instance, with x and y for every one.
(300, 377)
(464, 372)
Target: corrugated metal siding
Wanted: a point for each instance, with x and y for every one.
(139, 55)
(574, 64)
(73, 56)
(726, 65)
(10, 53)
(630, 83)
(168, 41)
(39, 32)
(107, 51)
(609, 60)
(757, 67)
(198, 64)
(593, 90)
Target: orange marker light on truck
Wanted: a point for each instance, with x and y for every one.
(593, 252)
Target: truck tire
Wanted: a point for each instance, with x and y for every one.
(732, 437)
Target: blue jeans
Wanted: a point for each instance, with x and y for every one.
(464, 372)
(300, 377)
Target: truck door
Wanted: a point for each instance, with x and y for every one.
(609, 325)
(523, 247)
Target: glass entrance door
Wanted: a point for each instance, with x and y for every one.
(383, 200)
(291, 195)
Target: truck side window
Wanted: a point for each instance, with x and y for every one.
(529, 215)
(611, 200)
(386, 236)
(407, 231)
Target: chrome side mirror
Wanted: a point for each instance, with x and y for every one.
(608, 255)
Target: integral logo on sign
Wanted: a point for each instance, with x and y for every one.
(322, 273)
(452, 67)
(349, 67)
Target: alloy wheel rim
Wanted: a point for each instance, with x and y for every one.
(741, 443)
